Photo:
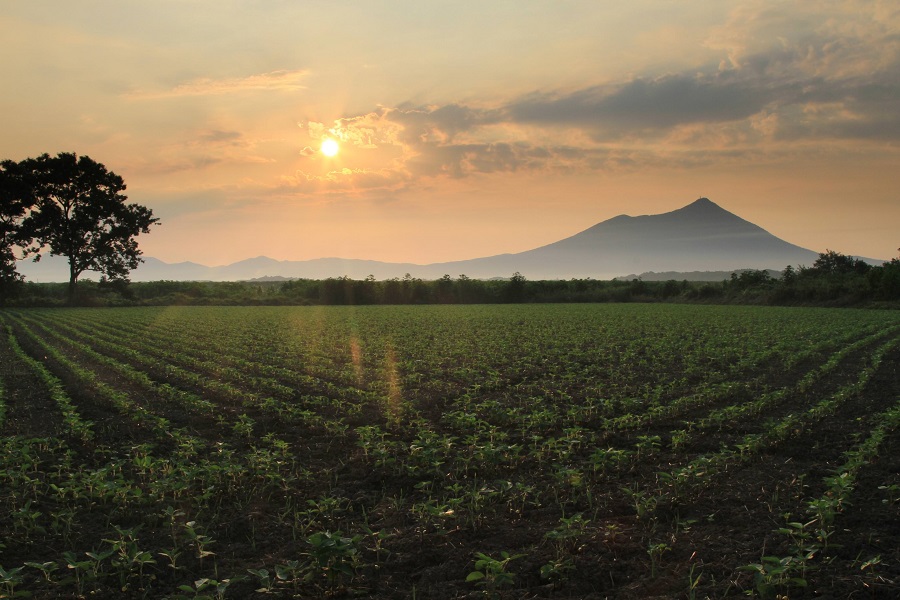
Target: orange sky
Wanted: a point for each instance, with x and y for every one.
(465, 129)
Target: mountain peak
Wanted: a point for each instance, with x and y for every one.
(702, 204)
(705, 210)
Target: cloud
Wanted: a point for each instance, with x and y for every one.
(277, 81)
(644, 104)
(776, 62)
(169, 165)
(778, 77)
(218, 136)
(832, 69)
(429, 141)
(833, 39)
(439, 124)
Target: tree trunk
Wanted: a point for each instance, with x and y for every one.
(73, 278)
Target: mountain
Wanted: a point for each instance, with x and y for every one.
(701, 236)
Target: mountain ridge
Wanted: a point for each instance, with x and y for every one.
(701, 236)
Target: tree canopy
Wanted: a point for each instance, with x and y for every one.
(73, 207)
(835, 263)
(15, 200)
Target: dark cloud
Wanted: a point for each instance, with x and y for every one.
(886, 129)
(878, 127)
(460, 160)
(869, 112)
(439, 123)
(785, 80)
(645, 104)
(769, 81)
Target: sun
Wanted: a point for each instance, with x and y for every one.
(329, 147)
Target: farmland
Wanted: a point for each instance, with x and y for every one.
(507, 451)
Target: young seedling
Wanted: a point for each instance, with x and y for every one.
(63, 521)
(126, 557)
(647, 445)
(693, 583)
(871, 563)
(801, 535)
(491, 572)
(265, 580)
(201, 588)
(557, 569)
(334, 556)
(46, 568)
(26, 520)
(289, 572)
(378, 538)
(243, 427)
(198, 540)
(773, 573)
(9, 579)
(565, 536)
(644, 504)
(656, 551)
(172, 554)
(893, 492)
(81, 571)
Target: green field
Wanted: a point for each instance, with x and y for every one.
(506, 451)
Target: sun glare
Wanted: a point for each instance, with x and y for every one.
(329, 147)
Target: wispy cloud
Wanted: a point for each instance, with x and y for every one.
(273, 81)
(218, 136)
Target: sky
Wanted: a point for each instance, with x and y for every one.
(464, 128)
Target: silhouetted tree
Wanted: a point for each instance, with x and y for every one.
(834, 263)
(789, 275)
(392, 292)
(638, 287)
(515, 289)
(467, 289)
(670, 288)
(15, 200)
(885, 280)
(443, 290)
(80, 213)
(750, 279)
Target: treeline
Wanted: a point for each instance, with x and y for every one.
(346, 291)
(833, 280)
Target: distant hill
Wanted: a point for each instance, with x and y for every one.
(701, 236)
